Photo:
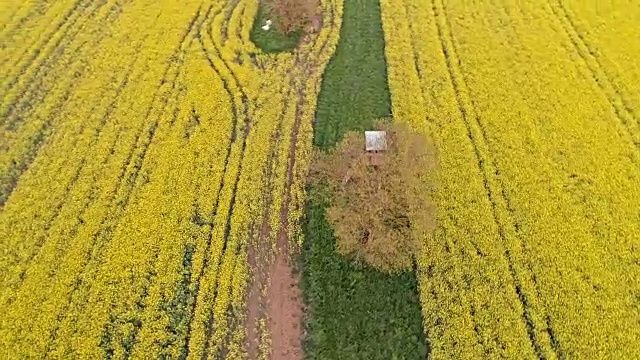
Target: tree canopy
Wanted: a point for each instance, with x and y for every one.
(380, 213)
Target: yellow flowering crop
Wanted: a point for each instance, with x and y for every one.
(145, 144)
(534, 109)
(141, 142)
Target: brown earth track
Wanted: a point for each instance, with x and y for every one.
(282, 306)
(260, 255)
(275, 271)
(284, 298)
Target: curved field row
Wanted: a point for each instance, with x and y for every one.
(135, 179)
(538, 197)
(22, 139)
(607, 32)
(623, 98)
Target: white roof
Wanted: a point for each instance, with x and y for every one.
(375, 140)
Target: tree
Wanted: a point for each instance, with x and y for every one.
(291, 15)
(380, 213)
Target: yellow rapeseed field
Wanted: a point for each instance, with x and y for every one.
(145, 145)
(142, 144)
(535, 109)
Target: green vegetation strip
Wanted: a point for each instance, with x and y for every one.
(355, 312)
(271, 41)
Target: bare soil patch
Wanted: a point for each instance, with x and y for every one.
(284, 306)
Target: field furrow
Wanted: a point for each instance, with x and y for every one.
(134, 177)
(155, 200)
(619, 102)
(551, 133)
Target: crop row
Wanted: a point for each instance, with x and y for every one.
(599, 29)
(137, 176)
(45, 78)
(80, 186)
(536, 199)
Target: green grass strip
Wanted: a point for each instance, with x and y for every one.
(354, 89)
(272, 41)
(355, 312)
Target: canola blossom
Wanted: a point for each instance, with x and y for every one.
(147, 146)
(143, 145)
(534, 110)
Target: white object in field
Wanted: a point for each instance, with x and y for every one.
(375, 140)
(267, 25)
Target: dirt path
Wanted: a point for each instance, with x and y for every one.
(274, 293)
(274, 277)
(274, 302)
(281, 307)
(284, 307)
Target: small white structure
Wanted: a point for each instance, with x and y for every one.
(375, 140)
(375, 145)
(267, 25)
